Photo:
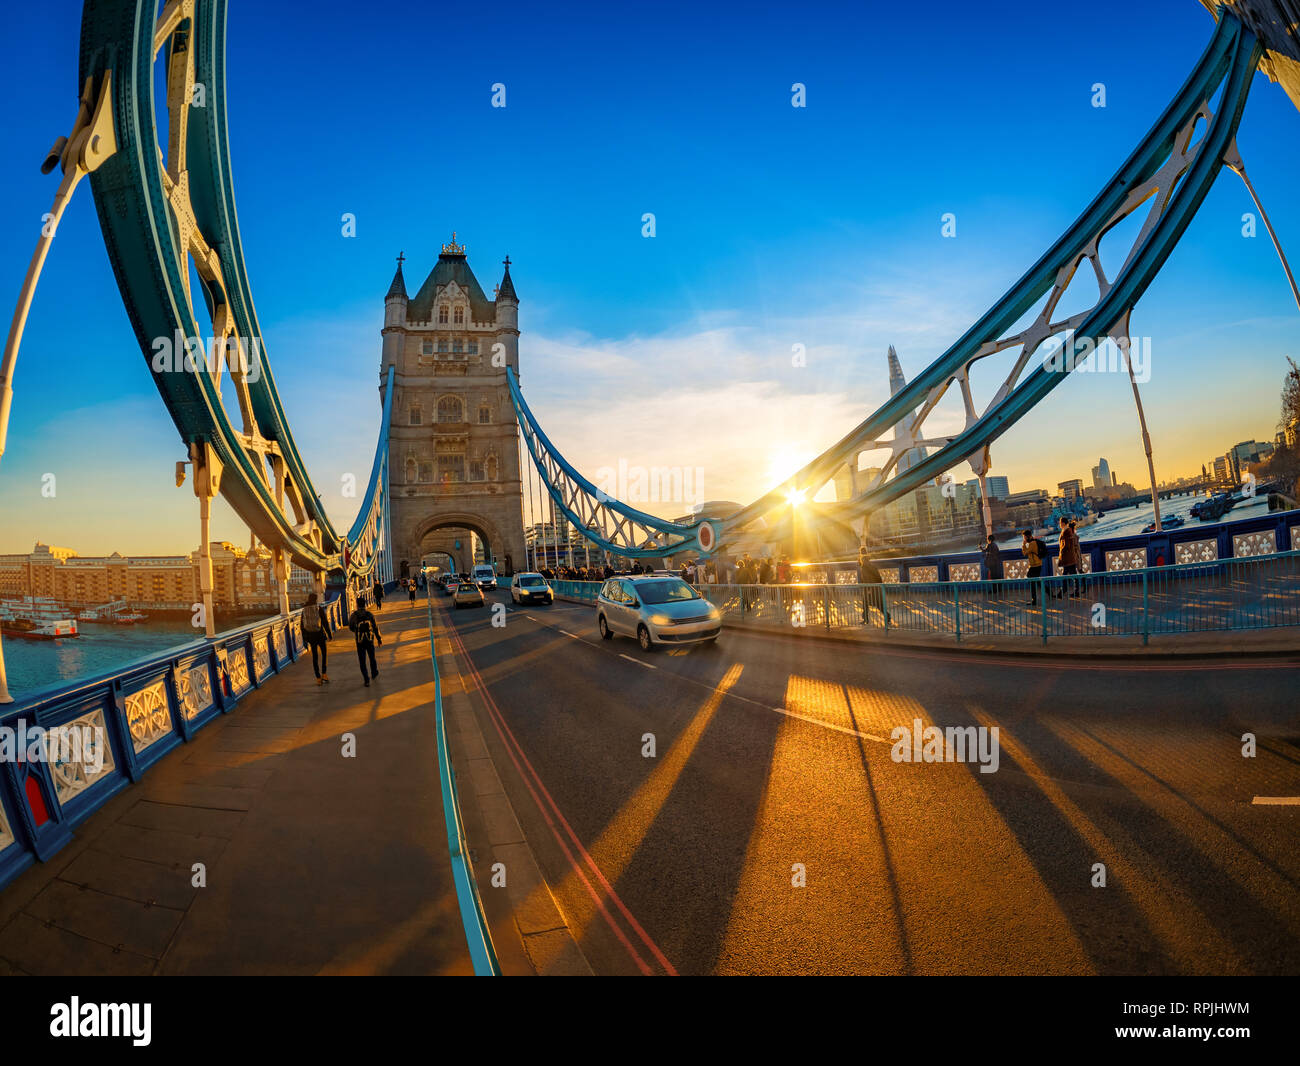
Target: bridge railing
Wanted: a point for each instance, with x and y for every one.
(1222, 595)
(65, 751)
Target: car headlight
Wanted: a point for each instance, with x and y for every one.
(660, 620)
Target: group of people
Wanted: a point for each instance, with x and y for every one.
(1068, 560)
(316, 633)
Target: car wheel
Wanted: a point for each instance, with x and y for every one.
(605, 632)
(643, 638)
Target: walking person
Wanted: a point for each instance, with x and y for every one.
(1068, 557)
(1035, 551)
(410, 585)
(873, 593)
(315, 631)
(378, 590)
(366, 630)
(993, 570)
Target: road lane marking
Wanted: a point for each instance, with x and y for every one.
(512, 747)
(1277, 801)
(648, 666)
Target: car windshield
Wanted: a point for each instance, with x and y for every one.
(669, 590)
(531, 582)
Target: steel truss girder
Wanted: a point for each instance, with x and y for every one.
(1163, 166)
(156, 212)
(608, 523)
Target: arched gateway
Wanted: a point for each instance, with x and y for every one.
(453, 441)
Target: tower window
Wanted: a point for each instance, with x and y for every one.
(417, 416)
(484, 415)
(460, 316)
(426, 472)
(451, 468)
(442, 346)
(450, 409)
(457, 346)
(442, 315)
(473, 347)
(476, 470)
(426, 348)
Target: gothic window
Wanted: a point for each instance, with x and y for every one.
(427, 348)
(457, 346)
(442, 315)
(484, 415)
(476, 470)
(410, 471)
(451, 467)
(417, 416)
(426, 472)
(442, 346)
(460, 316)
(473, 347)
(450, 409)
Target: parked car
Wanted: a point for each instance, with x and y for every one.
(467, 594)
(531, 588)
(656, 610)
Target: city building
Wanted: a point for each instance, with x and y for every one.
(999, 488)
(1071, 489)
(453, 441)
(1101, 475)
(243, 580)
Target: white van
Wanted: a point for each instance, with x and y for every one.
(485, 576)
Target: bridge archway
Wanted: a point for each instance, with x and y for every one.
(439, 534)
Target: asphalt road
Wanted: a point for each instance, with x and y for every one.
(772, 831)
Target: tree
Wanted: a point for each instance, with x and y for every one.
(1285, 462)
(1290, 397)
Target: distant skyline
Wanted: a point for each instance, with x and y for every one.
(775, 227)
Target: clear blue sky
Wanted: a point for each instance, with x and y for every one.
(775, 226)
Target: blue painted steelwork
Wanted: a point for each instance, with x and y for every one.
(620, 529)
(1227, 595)
(147, 708)
(1170, 167)
(160, 210)
(477, 933)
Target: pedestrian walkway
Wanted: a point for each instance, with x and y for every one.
(315, 863)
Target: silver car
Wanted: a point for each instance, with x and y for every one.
(656, 610)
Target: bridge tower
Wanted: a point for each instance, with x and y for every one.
(453, 441)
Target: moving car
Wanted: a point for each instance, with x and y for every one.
(467, 594)
(531, 588)
(486, 576)
(656, 610)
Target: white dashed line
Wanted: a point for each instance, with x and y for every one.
(1277, 801)
(648, 666)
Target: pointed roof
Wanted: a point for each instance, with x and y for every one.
(507, 287)
(398, 287)
(451, 266)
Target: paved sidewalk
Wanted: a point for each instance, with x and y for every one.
(315, 863)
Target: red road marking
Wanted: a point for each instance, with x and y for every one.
(513, 747)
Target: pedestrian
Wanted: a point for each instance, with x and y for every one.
(1068, 557)
(1035, 551)
(993, 570)
(873, 593)
(378, 590)
(366, 630)
(315, 632)
(410, 585)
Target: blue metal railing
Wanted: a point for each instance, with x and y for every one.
(477, 934)
(139, 712)
(1224, 595)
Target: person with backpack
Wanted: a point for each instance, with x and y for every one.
(315, 631)
(366, 630)
(378, 590)
(410, 587)
(1033, 549)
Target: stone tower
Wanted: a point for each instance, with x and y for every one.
(453, 443)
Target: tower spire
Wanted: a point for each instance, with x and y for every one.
(398, 287)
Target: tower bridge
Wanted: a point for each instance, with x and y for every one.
(224, 752)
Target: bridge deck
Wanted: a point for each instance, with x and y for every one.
(315, 863)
